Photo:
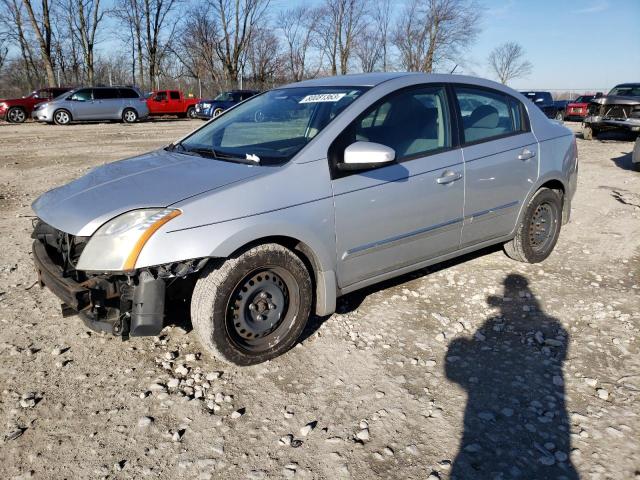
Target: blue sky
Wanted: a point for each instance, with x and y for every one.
(572, 44)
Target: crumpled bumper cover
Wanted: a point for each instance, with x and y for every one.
(629, 123)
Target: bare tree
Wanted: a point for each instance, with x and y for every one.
(156, 15)
(235, 21)
(431, 32)
(369, 50)
(507, 62)
(299, 28)
(382, 18)
(130, 11)
(85, 16)
(12, 19)
(264, 57)
(342, 21)
(41, 25)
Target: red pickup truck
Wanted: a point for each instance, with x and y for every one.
(17, 110)
(171, 102)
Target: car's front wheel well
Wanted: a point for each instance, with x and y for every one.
(300, 248)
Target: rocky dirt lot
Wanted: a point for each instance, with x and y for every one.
(480, 368)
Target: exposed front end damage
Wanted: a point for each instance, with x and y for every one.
(612, 113)
(122, 303)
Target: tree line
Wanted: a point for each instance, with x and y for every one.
(212, 45)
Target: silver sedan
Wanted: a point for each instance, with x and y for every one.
(274, 209)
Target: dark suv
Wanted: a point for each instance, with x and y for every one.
(17, 110)
(206, 109)
(544, 101)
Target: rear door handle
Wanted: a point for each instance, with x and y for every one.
(526, 154)
(448, 176)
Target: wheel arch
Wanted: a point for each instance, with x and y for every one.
(553, 181)
(324, 283)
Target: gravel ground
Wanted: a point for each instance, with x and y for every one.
(479, 368)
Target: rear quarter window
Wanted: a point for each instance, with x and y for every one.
(128, 93)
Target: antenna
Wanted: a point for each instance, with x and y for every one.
(454, 69)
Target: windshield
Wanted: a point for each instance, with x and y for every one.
(270, 128)
(626, 90)
(538, 97)
(224, 97)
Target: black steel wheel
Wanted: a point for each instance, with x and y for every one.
(254, 306)
(538, 232)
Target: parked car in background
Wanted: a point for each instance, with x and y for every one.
(171, 102)
(362, 178)
(94, 103)
(544, 101)
(577, 109)
(207, 109)
(619, 110)
(17, 110)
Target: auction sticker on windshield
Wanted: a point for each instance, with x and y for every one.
(322, 97)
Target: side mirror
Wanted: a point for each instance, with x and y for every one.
(365, 155)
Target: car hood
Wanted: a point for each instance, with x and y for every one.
(156, 179)
(616, 100)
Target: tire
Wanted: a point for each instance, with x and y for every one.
(62, 117)
(537, 234)
(587, 133)
(254, 306)
(217, 112)
(129, 115)
(560, 116)
(191, 112)
(16, 115)
(635, 156)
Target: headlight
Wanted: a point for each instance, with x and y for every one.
(206, 105)
(40, 106)
(117, 244)
(3, 105)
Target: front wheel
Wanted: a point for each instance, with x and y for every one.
(16, 115)
(61, 117)
(217, 112)
(191, 112)
(588, 132)
(254, 306)
(129, 115)
(537, 234)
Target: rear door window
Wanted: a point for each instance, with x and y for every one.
(105, 93)
(487, 114)
(173, 95)
(128, 93)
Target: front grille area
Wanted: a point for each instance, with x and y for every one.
(63, 249)
(617, 112)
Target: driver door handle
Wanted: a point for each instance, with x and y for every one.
(526, 154)
(448, 176)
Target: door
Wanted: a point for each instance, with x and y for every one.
(395, 216)
(107, 104)
(81, 104)
(160, 103)
(175, 104)
(501, 162)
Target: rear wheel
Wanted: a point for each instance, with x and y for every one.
(129, 115)
(217, 112)
(191, 112)
(61, 117)
(16, 115)
(560, 116)
(254, 306)
(537, 234)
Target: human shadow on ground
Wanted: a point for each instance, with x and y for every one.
(515, 421)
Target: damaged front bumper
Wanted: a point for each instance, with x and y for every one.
(122, 305)
(631, 124)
